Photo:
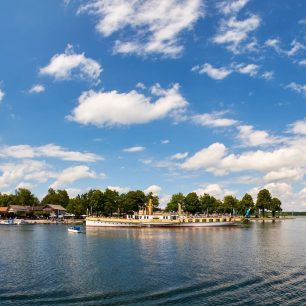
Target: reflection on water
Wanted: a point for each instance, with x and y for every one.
(264, 263)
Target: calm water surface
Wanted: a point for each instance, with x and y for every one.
(262, 264)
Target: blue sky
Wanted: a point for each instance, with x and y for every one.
(163, 96)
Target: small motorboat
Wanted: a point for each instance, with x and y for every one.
(75, 229)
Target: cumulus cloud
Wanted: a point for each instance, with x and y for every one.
(134, 149)
(268, 75)
(156, 26)
(38, 88)
(250, 69)
(232, 6)
(213, 120)
(215, 160)
(70, 65)
(297, 87)
(73, 192)
(72, 174)
(113, 108)
(26, 171)
(49, 150)
(233, 32)
(155, 189)
(179, 156)
(298, 127)
(205, 158)
(302, 62)
(223, 72)
(119, 189)
(292, 174)
(215, 73)
(215, 190)
(253, 138)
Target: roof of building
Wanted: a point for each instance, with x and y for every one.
(54, 207)
(37, 208)
(19, 208)
(3, 209)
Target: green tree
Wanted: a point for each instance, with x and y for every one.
(192, 203)
(7, 199)
(111, 201)
(174, 201)
(59, 197)
(50, 197)
(245, 203)
(133, 201)
(77, 206)
(229, 204)
(263, 200)
(95, 201)
(25, 197)
(207, 203)
(62, 197)
(275, 206)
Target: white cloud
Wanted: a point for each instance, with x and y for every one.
(134, 149)
(302, 62)
(284, 174)
(215, 73)
(295, 47)
(215, 190)
(213, 120)
(156, 25)
(205, 158)
(232, 6)
(298, 127)
(166, 141)
(297, 87)
(69, 65)
(26, 171)
(268, 75)
(49, 150)
(274, 43)
(179, 156)
(223, 72)
(119, 189)
(2, 94)
(38, 88)
(214, 159)
(155, 189)
(140, 85)
(25, 185)
(250, 69)
(72, 174)
(250, 137)
(113, 108)
(73, 192)
(233, 32)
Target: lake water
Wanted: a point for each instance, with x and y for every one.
(261, 264)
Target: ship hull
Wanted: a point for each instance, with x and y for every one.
(91, 223)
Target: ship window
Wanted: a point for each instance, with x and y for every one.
(196, 220)
(211, 220)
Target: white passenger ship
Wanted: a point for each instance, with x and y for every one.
(147, 218)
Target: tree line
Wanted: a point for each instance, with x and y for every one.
(110, 202)
(207, 204)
